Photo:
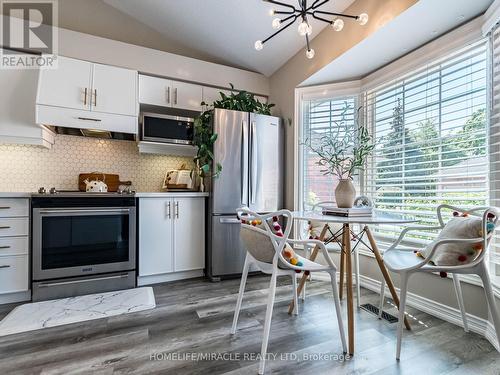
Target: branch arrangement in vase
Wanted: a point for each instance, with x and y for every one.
(342, 152)
(205, 138)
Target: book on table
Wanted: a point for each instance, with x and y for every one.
(354, 211)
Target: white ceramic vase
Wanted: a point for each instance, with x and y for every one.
(345, 193)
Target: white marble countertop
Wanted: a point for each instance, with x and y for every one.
(169, 194)
(14, 195)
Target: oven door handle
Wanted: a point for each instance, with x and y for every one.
(89, 211)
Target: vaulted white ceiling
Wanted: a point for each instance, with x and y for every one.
(226, 29)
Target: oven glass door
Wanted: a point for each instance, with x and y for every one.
(73, 242)
(170, 130)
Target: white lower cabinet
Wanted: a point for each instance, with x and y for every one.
(171, 238)
(14, 249)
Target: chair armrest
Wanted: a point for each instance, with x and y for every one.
(409, 229)
(443, 242)
(320, 245)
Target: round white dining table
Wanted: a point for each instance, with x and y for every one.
(378, 218)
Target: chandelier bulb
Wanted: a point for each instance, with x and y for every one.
(259, 45)
(276, 23)
(363, 19)
(304, 28)
(338, 24)
(310, 53)
(272, 12)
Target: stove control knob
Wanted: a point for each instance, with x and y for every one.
(42, 190)
(53, 190)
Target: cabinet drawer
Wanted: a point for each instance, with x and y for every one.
(11, 207)
(13, 274)
(15, 226)
(14, 246)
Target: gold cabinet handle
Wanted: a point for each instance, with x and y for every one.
(85, 97)
(95, 97)
(169, 213)
(4, 247)
(5, 266)
(177, 210)
(5, 227)
(4, 208)
(175, 96)
(168, 95)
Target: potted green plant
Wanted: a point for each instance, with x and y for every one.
(343, 152)
(205, 138)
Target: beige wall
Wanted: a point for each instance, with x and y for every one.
(328, 46)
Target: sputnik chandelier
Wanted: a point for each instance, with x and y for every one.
(291, 14)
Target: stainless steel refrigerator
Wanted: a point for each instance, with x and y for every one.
(250, 149)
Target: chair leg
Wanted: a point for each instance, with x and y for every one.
(460, 299)
(402, 305)
(356, 270)
(490, 297)
(240, 294)
(382, 299)
(267, 323)
(336, 300)
(295, 296)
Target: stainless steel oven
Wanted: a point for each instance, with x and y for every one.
(166, 128)
(82, 243)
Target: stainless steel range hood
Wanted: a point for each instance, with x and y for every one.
(92, 133)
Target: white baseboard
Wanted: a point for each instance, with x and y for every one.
(481, 326)
(15, 297)
(166, 277)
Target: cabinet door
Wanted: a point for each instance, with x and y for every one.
(189, 234)
(66, 85)
(155, 91)
(211, 94)
(186, 96)
(114, 90)
(155, 236)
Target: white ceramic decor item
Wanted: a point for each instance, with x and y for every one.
(345, 194)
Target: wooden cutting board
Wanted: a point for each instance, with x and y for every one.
(112, 180)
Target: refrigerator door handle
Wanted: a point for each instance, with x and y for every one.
(227, 220)
(244, 162)
(254, 163)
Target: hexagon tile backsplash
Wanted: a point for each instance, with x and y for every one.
(25, 168)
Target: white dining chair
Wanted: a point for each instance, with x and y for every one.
(405, 263)
(333, 247)
(264, 251)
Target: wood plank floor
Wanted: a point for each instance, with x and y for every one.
(195, 317)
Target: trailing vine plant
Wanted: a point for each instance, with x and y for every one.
(205, 138)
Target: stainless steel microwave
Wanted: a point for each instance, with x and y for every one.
(166, 128)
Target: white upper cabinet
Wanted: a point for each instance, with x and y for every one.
(154, 91)
(67, 86)
(17, 109)
(187, 96)
(86, 86)
(114, 90)
(167, 93)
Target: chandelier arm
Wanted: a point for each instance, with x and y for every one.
(317, 4)
(282, 4)
(307, 43)
(280, 30)
(336, 14)
(322, 19)
(287, 18)
(284, 12)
